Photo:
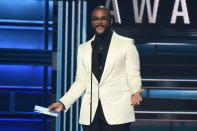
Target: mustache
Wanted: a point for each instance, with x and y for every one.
(101, 26)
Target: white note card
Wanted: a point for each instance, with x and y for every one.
(44, 110)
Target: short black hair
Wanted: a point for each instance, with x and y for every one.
(101, 7)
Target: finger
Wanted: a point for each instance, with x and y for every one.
(58, 110)
(139, 98)
(132, 99)
(52, 107)
(139, 102)
(134, 102)
(142, 90)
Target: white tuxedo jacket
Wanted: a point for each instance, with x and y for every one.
(120, 79)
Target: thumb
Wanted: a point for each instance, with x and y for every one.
(142, 90)
(58, 109)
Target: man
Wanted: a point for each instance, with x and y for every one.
(114, 75)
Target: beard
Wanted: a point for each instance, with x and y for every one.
(106, 30)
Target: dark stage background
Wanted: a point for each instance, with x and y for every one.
(155, 23)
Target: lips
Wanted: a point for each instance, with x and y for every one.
(100, 29)
(100, 26)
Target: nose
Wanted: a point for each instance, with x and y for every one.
(99, 21)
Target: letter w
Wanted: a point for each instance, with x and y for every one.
(152, 15)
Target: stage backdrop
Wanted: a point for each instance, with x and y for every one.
(152, 20)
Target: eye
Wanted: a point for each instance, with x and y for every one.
(104, 18)
(95, 18)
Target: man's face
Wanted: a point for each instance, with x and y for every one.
(100, 20)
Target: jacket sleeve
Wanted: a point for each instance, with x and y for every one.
(133, 68)
(79, 85)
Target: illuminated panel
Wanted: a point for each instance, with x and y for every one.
(72, 37)
(22, 10)
(21, 39)
(12, 124)
(175, 94)
(21, 75)
(22, 26)
(66, 58)
(50, 36)
(72, 59)
(59, 60)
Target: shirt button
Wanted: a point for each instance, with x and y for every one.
(100, 68)
(101, 48)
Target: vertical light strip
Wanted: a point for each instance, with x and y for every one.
(72, 56)
(84, 29)
(66, 59)
(78, 43)
(59, 59)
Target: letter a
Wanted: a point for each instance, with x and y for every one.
(183, 13)
(115, 12)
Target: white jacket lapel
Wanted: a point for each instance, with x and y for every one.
(110, 60)
(88, 63)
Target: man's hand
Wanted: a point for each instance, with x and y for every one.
(58, 106)
(136, 98)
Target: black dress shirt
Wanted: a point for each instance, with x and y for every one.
(100, 47)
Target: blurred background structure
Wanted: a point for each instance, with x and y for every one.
(38, 45)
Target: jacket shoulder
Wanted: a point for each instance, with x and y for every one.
(126, 39)
(84, 45)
